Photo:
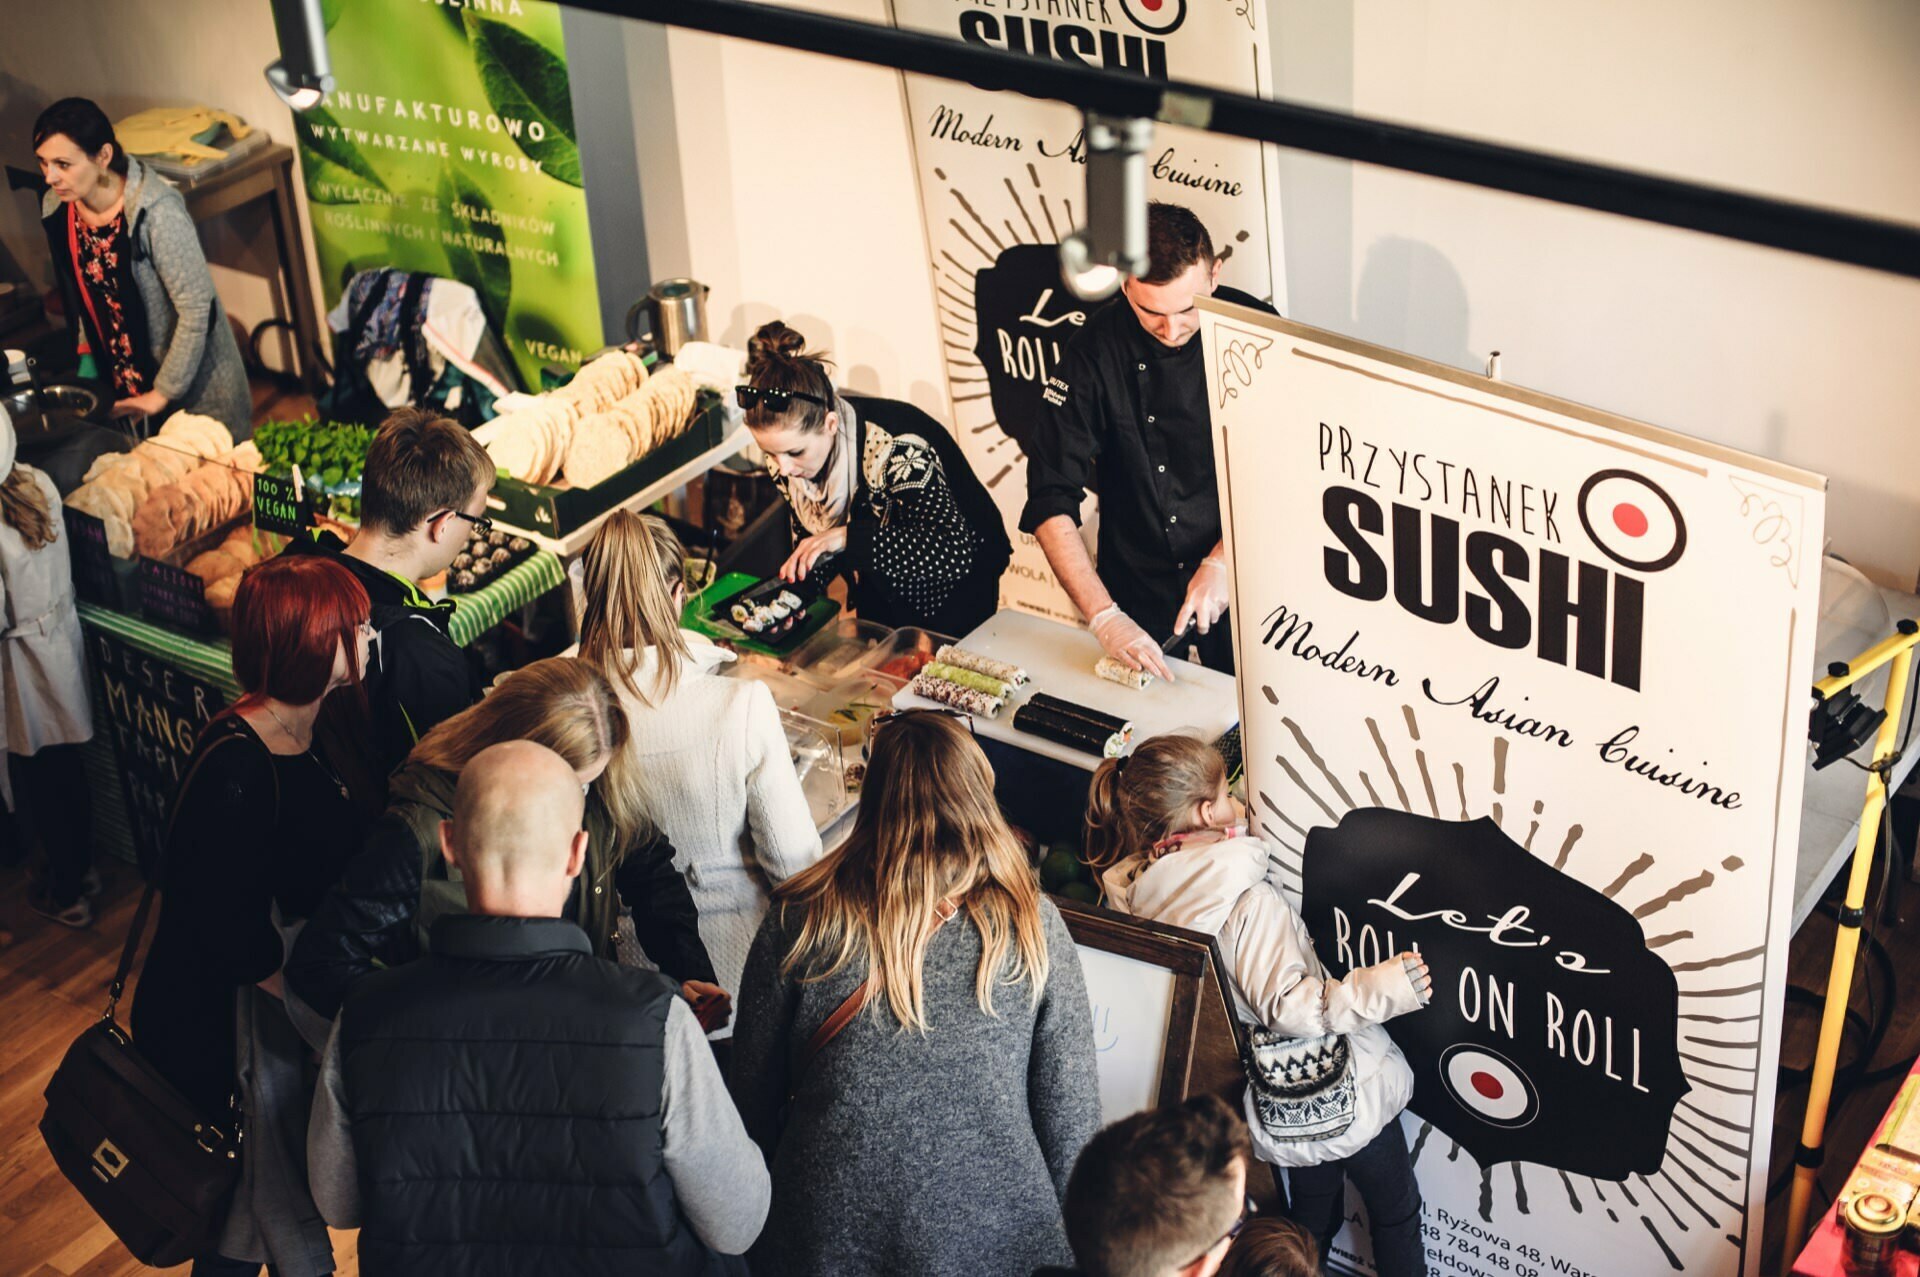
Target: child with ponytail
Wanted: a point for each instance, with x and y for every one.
(1169, 843)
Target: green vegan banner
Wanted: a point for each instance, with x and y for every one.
(448, 147)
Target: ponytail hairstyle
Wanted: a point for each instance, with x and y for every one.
(23, 507)
(777, 359)
(85, 125)
(631, 570)
(1149, 795)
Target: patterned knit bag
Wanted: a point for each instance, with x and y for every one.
(1302, 1087)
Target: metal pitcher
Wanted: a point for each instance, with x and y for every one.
(679, 314)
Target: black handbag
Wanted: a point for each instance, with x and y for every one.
(154, 1169)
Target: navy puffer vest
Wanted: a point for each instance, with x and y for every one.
(505, 1098)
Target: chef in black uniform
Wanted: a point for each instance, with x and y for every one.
(1126, 416)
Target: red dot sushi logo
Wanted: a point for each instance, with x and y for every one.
(1156, 17)
(1633, 520)
(1489, 1086)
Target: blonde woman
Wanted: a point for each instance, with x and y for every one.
(711, 764)
(399, 883)
(935, 1131)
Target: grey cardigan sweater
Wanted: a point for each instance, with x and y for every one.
(904, 1153)
(200, 369)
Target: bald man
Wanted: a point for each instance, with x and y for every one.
(518, 1104)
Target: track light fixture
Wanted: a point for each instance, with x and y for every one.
(1113, 243)
(303, 74)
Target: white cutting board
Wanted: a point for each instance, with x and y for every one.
(1059, 660)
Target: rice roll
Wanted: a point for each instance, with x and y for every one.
(967, 678)
(970, 700)
(1007, 672)
(1086, 714)
(1122, 673)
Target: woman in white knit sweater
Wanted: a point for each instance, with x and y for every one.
(712, 756)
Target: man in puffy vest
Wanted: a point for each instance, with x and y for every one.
(511, 1103)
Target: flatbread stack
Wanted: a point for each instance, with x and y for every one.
(119, 483)
(602, 382)
(221, 568)
(626, 430)
(531, 443)
(210, 497)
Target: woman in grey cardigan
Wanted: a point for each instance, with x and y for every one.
(128, 264)
(935, 1132)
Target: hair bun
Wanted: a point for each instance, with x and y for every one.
(772, 341)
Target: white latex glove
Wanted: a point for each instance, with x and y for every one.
(1206, 597)
(1421, 977)
(1127, 643)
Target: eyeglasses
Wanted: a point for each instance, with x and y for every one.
(880, 720)
(481, 523)
(1248, 1209)
(774, 400)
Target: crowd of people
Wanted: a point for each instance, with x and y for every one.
(557, 977)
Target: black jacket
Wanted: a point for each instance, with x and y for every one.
(508, 1111)
(398, 885)
(925, 543)
(418, 676)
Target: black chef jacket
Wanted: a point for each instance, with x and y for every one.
(1127, 417)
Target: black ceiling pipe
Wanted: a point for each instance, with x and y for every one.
(1856, 240)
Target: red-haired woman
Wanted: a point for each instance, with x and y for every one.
(262, 826)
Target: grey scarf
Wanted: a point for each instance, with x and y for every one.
(821, 504)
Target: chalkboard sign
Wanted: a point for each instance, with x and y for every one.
(1163, 1023)
(175, 597)
(155, 711)
(93, 575)
(277, 506)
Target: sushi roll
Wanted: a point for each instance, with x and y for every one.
(788, 597)
(1007, 672)
(1120, 672)
(968, 699)
(1075, 733)
(968, 678)
(741, 613)
(780, 609)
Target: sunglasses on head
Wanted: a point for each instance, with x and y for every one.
(880, 720)
(773, 400)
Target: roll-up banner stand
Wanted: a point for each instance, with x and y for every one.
(1525, 687)
(1003, 180)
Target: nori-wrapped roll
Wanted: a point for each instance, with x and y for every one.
(1063, 729)
(1086, 714)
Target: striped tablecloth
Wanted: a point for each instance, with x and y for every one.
(211, 661)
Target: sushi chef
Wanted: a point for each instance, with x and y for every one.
(1126, 416)
(879, 492)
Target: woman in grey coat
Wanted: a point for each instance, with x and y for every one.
(128, 264)
(934, 1133)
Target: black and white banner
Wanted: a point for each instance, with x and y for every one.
(1003, 180)
(1525, 688)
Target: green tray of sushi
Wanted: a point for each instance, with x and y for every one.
(709, 613)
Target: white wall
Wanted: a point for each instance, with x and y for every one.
(128, 56)
(1810, 363)
(785, 181)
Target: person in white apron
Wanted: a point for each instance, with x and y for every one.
(44, 714)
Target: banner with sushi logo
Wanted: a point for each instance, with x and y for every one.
(1003, 180)
(1525, 688)
(448, 147)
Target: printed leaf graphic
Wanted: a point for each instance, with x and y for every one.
(334, 144)
(527, 82)
(489, 273)
(330, 12)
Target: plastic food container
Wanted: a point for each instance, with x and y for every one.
(905, 651)
(789, 693)
(849, 705)
(838, 650)
(817, 761)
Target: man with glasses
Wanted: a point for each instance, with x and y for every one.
(1162, 1193)
(423, 495)
(1126, 416)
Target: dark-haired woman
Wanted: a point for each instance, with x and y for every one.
(261, 828)
(878, 491)
(131, 274)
